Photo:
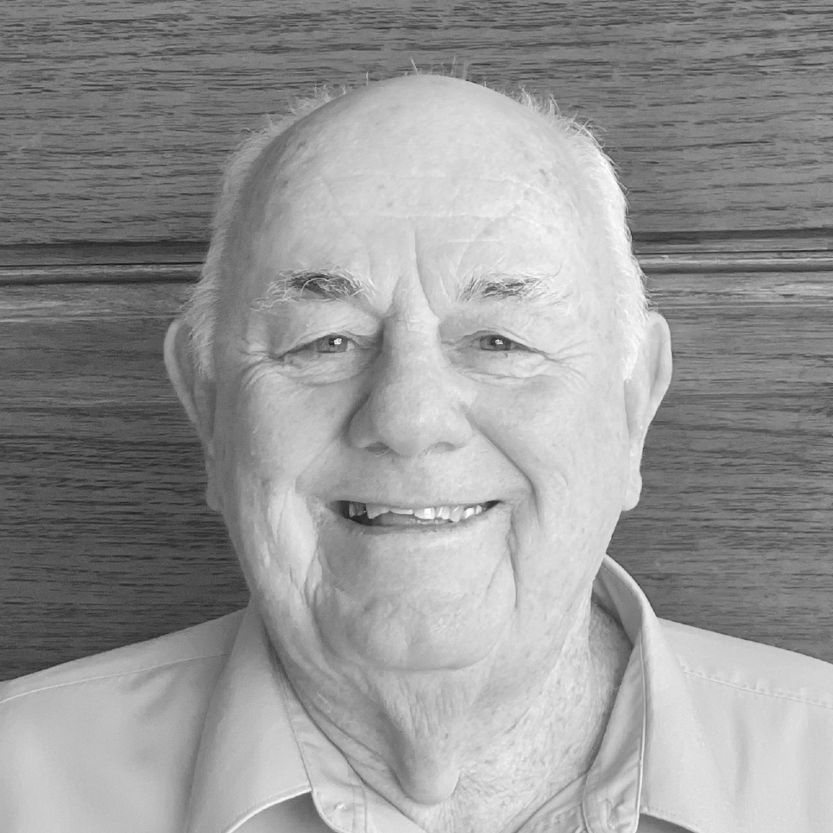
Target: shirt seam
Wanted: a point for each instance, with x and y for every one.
(273, 800)
(111, 676)
(780, 695)
(643, 735)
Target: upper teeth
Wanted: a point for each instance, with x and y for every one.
(428, 513)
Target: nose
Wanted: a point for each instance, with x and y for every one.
(415, 404)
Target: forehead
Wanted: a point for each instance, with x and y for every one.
(426, 179)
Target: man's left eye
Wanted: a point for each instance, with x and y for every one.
(498, 344)
(494, 355)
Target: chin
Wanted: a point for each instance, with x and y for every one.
(386, 636)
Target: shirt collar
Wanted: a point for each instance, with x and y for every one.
(653, 758)
(248, 757)
(654, 754)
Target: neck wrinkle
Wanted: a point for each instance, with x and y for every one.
(456, 773)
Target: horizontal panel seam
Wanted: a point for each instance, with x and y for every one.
(129, 273)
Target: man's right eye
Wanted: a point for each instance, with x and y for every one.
(328, 358)
(330, 344)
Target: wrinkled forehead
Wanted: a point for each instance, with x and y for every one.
(473, 174)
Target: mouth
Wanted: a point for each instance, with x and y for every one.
(381, 515)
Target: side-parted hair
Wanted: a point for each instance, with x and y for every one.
(631, 299)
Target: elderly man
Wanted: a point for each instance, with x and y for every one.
(422, 369)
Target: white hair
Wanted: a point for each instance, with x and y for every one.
(632, 303)
(631, 306)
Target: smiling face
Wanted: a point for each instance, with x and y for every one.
(419, 439)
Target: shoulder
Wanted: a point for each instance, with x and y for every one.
(118, 729)
(202, 642)
(750, 667)
(764, 718)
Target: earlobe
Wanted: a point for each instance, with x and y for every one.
(644, 392)
(195, 392)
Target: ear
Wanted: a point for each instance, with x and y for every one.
(643, 393)
(197, 395)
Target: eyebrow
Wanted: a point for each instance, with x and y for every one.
(339, 284)
(321, 285)
(526, 286)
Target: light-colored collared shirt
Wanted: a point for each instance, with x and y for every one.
(199, 732)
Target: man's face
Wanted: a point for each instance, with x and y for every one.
(420, 438)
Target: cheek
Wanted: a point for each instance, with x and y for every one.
(271, 441)
(568, 442)
(274, 431)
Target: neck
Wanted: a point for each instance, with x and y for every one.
(452, 752)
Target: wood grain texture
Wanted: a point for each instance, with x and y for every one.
(105, 539)
(115, 116)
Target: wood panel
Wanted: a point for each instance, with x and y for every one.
(105, 540)
(115, 116)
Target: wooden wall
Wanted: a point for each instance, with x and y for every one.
(117, 115)
(115, 119)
